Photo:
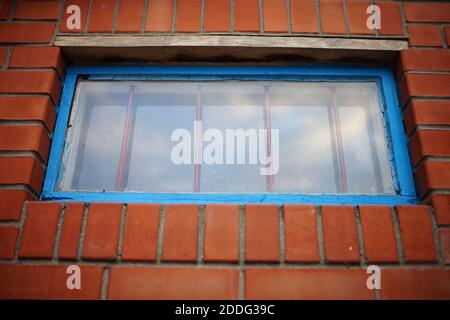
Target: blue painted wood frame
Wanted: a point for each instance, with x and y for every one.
(400, 162)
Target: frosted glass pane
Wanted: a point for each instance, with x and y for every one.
(233, 107)
(93, 144)
(364, 143)
(151, 168)
(299, 133)
(161, 108)
(301, 113)
(332, 137)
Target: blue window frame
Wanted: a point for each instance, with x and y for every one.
(398, 152)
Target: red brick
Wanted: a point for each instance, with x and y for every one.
(332, 16)
(173, 283)
(391, 22)
(300, 227)
(141, 232)
(303, 15)
(102, 234)
(83, 5)
(37, 57)
(102, 16)
(262, 241)
(217, 16)
(48, 282)
(3, 51)
(423, 35)
(11, 203)
(425, 59)
(9, 235)
(275, 16)
(188, 16)
(30, 82)
(159, 16)
(28, 108)
(339, 232)
(427, 12)
(433, 175)
(357, 17)
(444, 236)
(71, 230)
(221, 233)
(441, 204)
(180, 233)
(5, 8)
(416, 234)
(26, 32)
(21, 170)
(426, 112)
(429, 143)
(428, 85)
(378, 233)
(130, 16)
(38, 10)
(306, 284)
(39, 231)
(25, 138)
(246, 16)
(415, 284)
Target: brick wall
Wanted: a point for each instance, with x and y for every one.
(189, 251)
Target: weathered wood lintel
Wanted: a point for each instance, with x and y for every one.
(167, 48)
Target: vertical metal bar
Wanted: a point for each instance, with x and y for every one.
(373, 149)
(333, 148)
(339, 144)
(268, 127)
(198, 141)
(125, 140)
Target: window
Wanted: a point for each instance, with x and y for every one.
(202, 134)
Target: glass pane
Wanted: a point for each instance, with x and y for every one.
(331, 138)
(364, 142)
(161, 108)
(123, 137)
(231, 107)
(307, 162)
(94, 138)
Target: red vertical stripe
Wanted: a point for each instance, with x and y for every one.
(268, 127)
(339, 144)
(198, 145)
(125, 140)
